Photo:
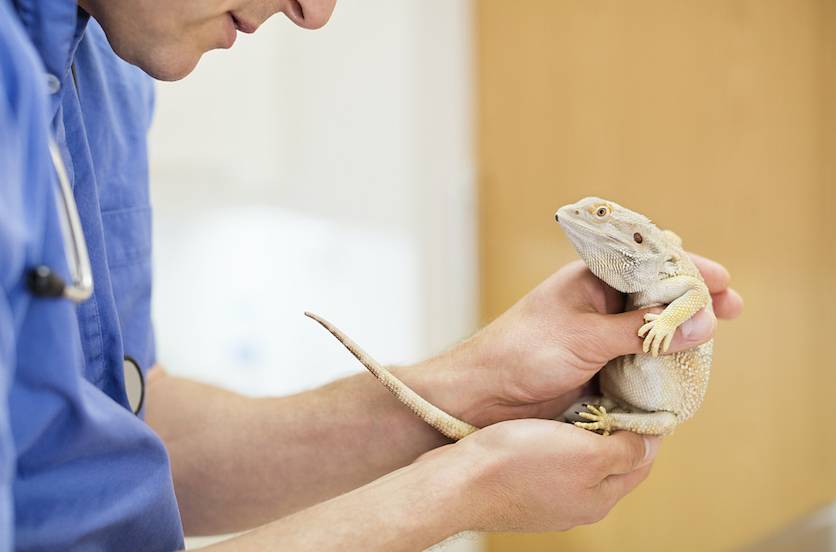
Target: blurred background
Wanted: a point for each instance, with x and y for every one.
(398, 171)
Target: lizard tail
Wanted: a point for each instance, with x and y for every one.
(449, 425)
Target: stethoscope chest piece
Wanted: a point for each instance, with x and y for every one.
(134, 384)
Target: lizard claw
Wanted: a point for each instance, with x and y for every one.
(598, 418)
(657, 333)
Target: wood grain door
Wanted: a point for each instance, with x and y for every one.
(718, 120)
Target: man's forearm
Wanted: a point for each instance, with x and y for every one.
(240, 462)
(409, 509)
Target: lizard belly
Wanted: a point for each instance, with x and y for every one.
(639, 382)
(674, 383)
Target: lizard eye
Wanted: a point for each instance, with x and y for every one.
(602, 211)
(638, 237)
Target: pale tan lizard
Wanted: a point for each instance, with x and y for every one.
(646, 393)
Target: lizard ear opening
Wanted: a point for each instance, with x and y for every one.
(673, 237)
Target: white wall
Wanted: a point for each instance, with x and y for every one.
(327, 170)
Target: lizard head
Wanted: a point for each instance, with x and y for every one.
(621, 247)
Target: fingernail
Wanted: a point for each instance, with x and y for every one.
(698, 327)
(651, 447)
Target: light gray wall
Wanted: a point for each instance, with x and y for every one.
(329, 170)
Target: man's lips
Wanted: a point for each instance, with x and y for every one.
(242, 24)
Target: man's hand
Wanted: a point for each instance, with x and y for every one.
(535, 359)
(542, 475)
(532, 361)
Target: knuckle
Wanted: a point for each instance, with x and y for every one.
(612, 499)
(635, 448)
(596, 514)
(598, 462)
(589, 451)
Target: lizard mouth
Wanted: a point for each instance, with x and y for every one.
(577, 229)
(575, 226)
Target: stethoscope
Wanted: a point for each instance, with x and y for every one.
(45, 282)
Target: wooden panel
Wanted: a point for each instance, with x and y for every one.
(717, 120)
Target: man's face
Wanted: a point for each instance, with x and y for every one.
(167, 37)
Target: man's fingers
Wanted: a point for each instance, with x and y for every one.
(728, 304)
(626, 451)
(618, 333)
(432, 453)
(716, 276)
(628, 460)
(697, 329)
(616, 486)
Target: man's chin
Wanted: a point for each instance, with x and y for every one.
(170, 69)
(165, 64)
(169, 73)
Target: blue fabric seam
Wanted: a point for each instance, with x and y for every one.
(100, 354)
(132, 257)
(125, 210)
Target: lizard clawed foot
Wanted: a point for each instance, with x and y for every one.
(657, 333)
(599, 419)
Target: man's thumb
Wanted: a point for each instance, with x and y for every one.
(620, 332)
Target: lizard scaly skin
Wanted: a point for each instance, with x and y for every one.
(647, 393)
(653, 392)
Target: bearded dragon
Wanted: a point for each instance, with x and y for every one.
(649, 393)
(646, 393)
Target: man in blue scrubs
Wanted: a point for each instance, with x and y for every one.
(78, 470)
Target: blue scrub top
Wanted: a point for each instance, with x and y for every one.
(77, 469)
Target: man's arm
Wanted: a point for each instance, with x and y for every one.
(239, 462)
(408, 509)
(502, 478)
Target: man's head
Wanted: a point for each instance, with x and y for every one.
(166, 38)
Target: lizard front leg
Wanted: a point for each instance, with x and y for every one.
(691, 294)
(646, 423)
